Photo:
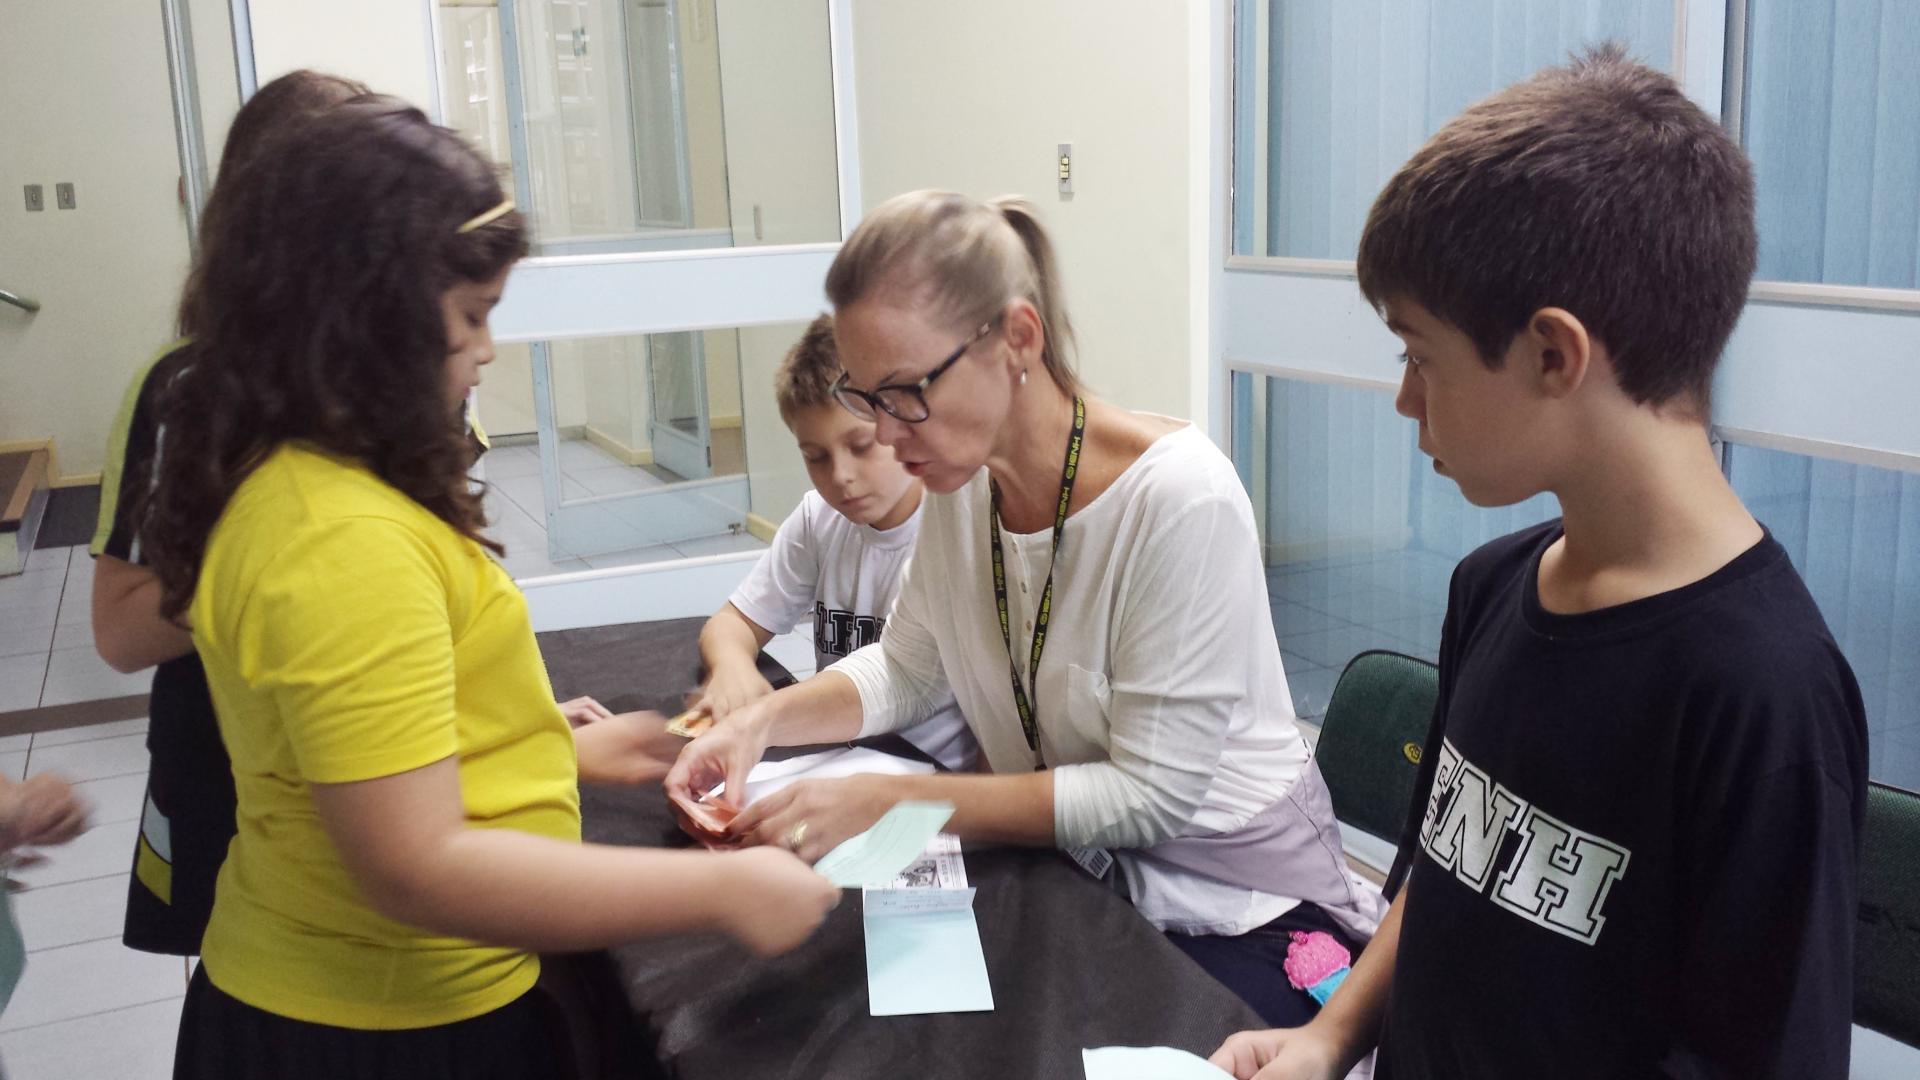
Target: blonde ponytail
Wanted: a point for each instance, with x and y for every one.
(963, 258)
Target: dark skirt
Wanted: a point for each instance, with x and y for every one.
(223, 1038)
(1253, 965)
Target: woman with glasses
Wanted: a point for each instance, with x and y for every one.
(1088, 583)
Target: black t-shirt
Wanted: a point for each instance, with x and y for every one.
(1633, 847)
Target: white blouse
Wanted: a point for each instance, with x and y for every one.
(1161, 702)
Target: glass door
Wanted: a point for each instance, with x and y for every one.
(686, 169)
(679, 428)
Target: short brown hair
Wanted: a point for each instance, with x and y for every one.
(807, 375)
(1597, 187)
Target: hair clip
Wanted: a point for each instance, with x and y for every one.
(475, 222)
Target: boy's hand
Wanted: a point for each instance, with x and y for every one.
(628, 748)
(40, 812)
(584, 710)
(725, 754)
(1278, 1054)
(730, 688)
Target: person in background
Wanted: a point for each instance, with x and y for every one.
(188, 818)
(40, 811)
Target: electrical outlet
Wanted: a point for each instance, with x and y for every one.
(36, 198)
(63, 195)
(1064, 164)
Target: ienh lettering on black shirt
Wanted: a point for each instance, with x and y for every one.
(1633, 848)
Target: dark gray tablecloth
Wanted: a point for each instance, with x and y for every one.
(1071, 963)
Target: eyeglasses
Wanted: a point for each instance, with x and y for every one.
(903, 401)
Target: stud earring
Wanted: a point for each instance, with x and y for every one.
(1023, 376)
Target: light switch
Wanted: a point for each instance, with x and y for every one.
(1063, 162)
(63, 195)
(36, 197)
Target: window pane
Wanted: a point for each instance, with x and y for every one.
(636, 448)
(1854, 533)
(1360, 535)
(1331, 96)
(1832, 121)
(651, 125)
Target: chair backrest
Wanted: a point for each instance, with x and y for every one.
(1371, 739)
(1886, 980)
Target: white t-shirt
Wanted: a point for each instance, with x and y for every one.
(1161, 703)
(841, 578)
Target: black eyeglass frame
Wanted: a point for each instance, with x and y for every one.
(851, 398)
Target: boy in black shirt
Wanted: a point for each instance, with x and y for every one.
(1632, 851)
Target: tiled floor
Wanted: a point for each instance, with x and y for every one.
(1327, 611)
(46, 636)
(87, 1005)
(516, 508)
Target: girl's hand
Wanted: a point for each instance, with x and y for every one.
(773, 902)
(730, 688)
(582, 711)
(725, 754)
(627, 748)
(40, 812)
(1278, 1054)
(812, 817)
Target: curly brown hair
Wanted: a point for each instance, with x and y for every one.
(315, 313)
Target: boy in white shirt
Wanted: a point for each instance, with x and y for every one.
(837, 560)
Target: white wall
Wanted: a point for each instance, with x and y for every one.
(776, 86)
(776, 82)
(700, 100)
(975, 97)
(776, 477)
(382, 43)
(86, 100)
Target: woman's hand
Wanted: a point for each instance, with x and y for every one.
(582, 711)
(41, 811)
(730, 688)
(812, 817)
(627, 748)
(725, 754)
(1277, 1054)
(773, 901)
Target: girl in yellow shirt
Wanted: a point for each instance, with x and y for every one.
(409, 828)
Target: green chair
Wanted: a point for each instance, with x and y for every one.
(1371, 739)
(1886, 979)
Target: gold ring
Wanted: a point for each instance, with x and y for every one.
(796, 836)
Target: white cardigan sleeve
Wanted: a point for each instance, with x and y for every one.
(900, 678)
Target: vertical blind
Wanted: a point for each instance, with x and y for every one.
(1355, 86)
(1832, 121)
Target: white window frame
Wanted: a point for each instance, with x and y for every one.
(1304, 318)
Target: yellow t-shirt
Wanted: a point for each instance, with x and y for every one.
(349, 634)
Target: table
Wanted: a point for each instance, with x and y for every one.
(1071, 963)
